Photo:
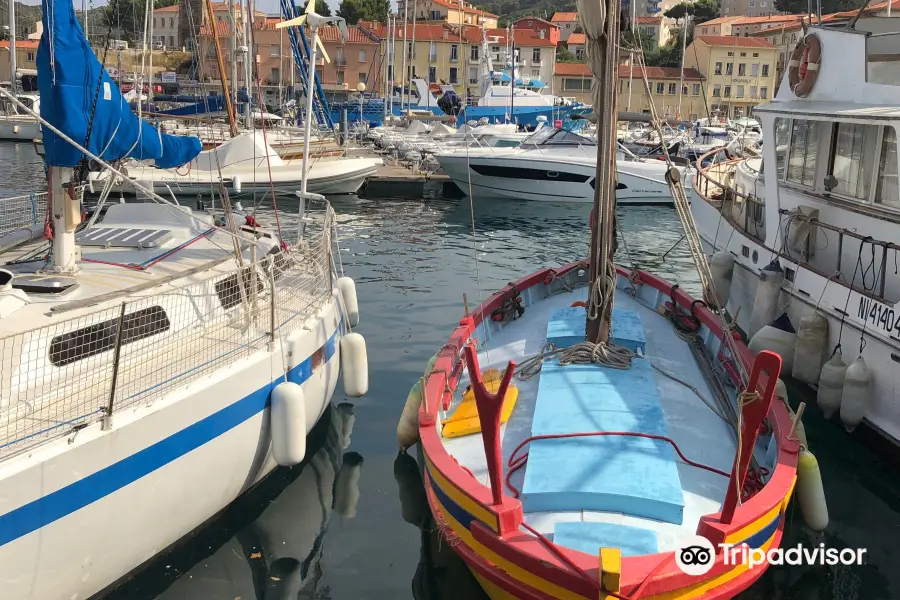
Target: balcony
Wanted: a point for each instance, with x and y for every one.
(432, 57)
(340, 63)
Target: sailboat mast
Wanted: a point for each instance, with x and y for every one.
(229, 107)
(601, 25)
(232, 44)
(12, 47)
(405, 53)
(687, 20)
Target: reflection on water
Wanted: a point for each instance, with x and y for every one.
(322, 531)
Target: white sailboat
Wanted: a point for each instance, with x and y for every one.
(153, 365)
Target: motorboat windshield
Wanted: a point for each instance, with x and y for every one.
(556, 137)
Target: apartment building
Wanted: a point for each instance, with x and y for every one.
(458, 13)
(26, 57)
(739, 72)
(538, 25)
(171, 23)
(574, 80)
(718, 26)
(358, 60)
(567, 23)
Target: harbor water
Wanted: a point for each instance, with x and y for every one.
(304, 533)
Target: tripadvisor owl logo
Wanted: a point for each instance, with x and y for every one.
(696, 555)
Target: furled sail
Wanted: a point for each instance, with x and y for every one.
(68, 74)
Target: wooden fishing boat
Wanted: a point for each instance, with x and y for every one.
(627, 467)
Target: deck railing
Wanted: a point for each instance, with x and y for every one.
(713, 181)
(64, 376)
(20, 212)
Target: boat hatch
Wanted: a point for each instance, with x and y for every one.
(123, 237)
(42, 284)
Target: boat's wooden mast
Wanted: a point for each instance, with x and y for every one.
(603, 52)
(229, 107)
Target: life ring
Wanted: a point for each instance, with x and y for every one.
(803, 68)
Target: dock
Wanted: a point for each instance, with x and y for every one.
(398, 181)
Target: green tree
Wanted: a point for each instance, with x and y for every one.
(367, 10)
(701, 11)
(322, 8)
(564, 55)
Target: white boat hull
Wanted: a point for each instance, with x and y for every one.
(880, 346)
(543, 179)
(78, 514)
(19, 129)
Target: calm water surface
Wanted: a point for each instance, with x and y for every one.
(350, 522)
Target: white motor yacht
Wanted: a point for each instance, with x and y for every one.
(554, 165)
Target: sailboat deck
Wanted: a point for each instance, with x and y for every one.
(700, 434)
(182, 318)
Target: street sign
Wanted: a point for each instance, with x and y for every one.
(168, 77)
(113, 72)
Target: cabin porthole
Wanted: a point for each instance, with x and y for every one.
(755, 257)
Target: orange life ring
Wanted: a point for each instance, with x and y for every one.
(803, 68)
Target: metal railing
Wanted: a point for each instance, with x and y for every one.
(752, 223)
(74, 372)
(21, 212)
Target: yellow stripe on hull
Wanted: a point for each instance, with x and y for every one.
(464, 502)
(551, 589)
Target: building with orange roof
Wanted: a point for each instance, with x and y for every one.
(739, 72)
(167, 21)
(567, 23)
(446, 11)
(574, 80)
(717, 26)
(448, 54)
(358, 60)
(26, 54)
(538, 25)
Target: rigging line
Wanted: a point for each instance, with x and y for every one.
(263, 127)
(475, 246)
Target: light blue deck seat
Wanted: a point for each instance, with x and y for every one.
(631, 475)
(566, 328)
(589, 537)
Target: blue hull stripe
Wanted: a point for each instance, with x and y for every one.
(462, 516)
(762, 536)
(65, 501)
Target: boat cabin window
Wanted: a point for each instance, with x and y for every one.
(803, 151)
(556, 137)
(861, 161)
(852, 159)
(88, 341)
(887, 190)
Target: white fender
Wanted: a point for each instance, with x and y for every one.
(765, 304)
(408, 426)
(287, 422)
(354, 365)
(778, 336)
(236, 185)
(855, 399)
(831, 384)
(721, 265)
(347, 287)
(811, 492)
(809, 354)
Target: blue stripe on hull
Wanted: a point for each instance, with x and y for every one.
(61, 503)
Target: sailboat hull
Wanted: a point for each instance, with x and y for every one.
(18, 129)
(79, 513)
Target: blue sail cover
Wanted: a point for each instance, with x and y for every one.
(68, 72)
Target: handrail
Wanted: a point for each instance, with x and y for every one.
(729, 192)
